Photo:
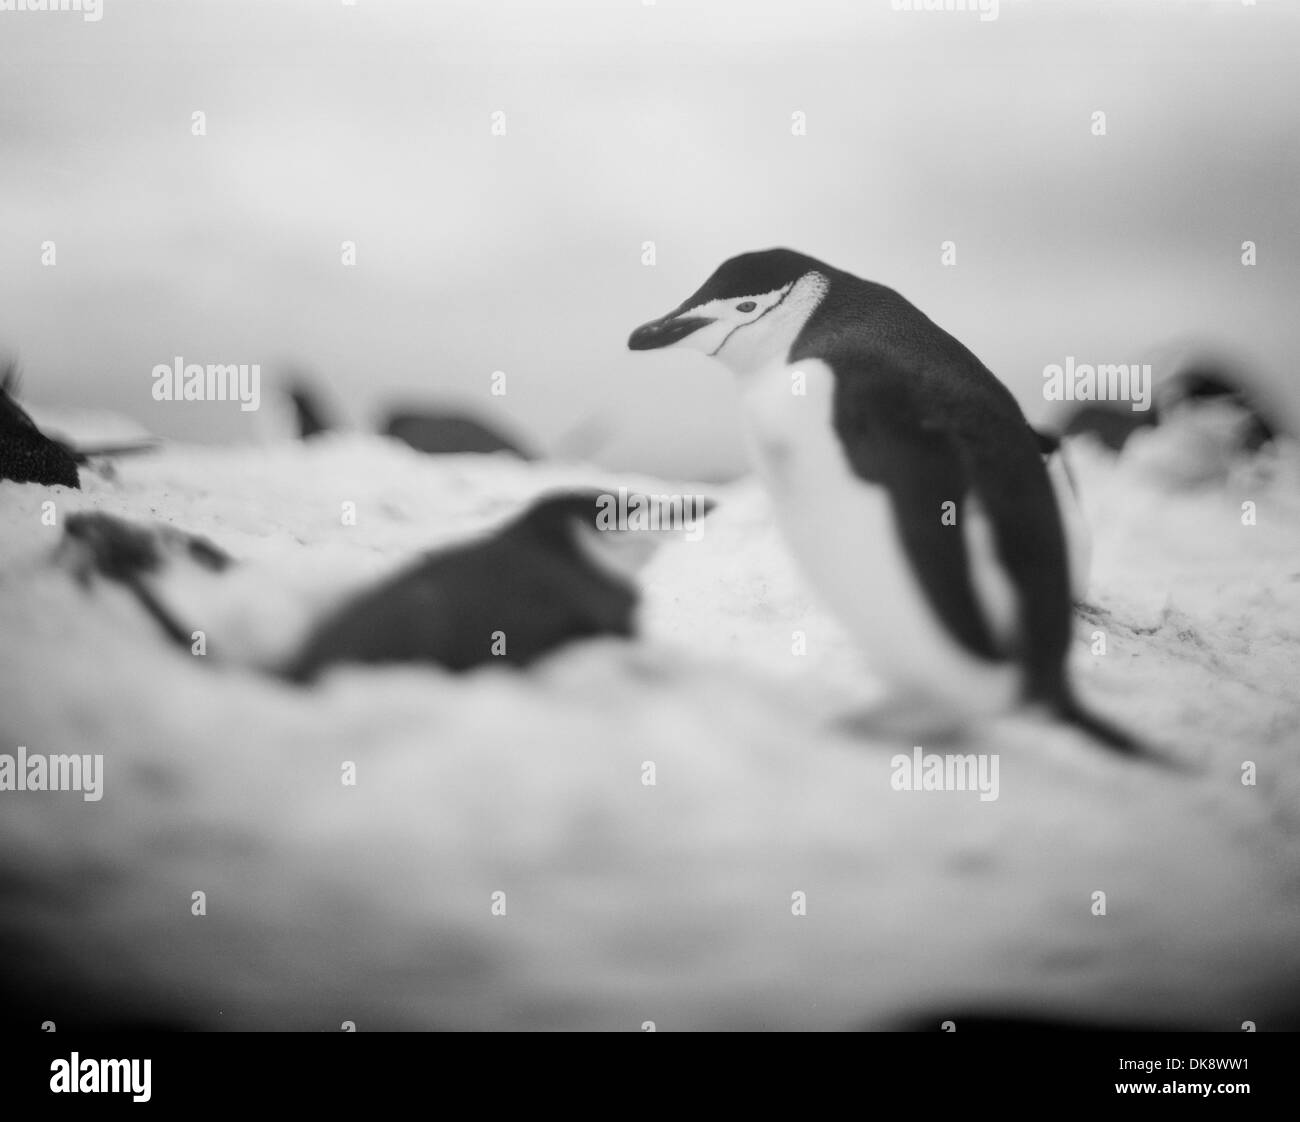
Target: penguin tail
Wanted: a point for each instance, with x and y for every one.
(1071, 712)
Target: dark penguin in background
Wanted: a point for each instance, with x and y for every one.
(871, 428)
(436, 432)
(27, 455)
(546, 578)
(447, 434)
(1203, 381)
(1209, 383)
(311, 414)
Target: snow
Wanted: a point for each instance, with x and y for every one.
(628, 903)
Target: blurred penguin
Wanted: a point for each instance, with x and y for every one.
(436, 432)
(310, 412)
(554, 574)
(27, 455)
(30, 455)
(441, 434)
(1207, 417)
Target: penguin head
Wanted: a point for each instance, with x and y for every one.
(578, 525)
(747, 314)
(1214, 396)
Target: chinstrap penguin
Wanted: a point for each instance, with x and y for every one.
(547, 577)
(554, 574)
(906, 479)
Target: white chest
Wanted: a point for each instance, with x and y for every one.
(842, 531)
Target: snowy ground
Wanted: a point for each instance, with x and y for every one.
(629, 903)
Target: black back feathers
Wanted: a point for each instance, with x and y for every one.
(448, 433)
(27, 455)
(919, 414)
(514, 596)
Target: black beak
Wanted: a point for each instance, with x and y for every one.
(665, 332)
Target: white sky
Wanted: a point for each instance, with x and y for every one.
(627, 123)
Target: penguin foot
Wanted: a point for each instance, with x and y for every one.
(1118, 740)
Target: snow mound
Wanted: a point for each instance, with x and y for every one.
(626, 902)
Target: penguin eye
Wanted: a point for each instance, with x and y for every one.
(746, 306)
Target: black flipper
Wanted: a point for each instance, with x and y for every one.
(922, 471)
(922, 416)
(902, 427)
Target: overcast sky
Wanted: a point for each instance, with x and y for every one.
(628, 123)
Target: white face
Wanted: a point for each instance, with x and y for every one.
(752, 332)
(620, 553)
